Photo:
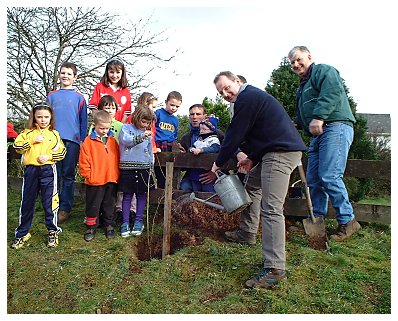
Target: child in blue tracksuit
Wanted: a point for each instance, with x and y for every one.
(41, 147)
(166, 130)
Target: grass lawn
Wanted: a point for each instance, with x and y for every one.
(105, 276)
(386, 201)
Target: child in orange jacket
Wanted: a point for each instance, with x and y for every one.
(99, 165)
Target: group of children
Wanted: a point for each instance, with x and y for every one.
(115, 155)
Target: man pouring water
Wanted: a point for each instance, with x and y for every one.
(264, 131)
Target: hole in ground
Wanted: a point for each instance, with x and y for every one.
(178, 240)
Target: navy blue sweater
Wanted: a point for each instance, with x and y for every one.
(260, 125)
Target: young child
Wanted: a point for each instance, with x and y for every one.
(109, 104)
(149, 100)
(114, 83)
(99, 165)
(167, 122)
(207, 142)
(71, 121)
(42, 147)
(136, 162)
(166, 130)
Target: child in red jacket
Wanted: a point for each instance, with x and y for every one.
(99, 165)
(114, 83)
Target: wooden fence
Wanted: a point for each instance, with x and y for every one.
(293, 207)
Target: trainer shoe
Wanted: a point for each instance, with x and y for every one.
(138, 228)
(110, 232)
(20, 241)
(125, 230)
(52, 239)
(240, 236)
(267, 279)
(89, 235)
(344, 231)
(63, 216)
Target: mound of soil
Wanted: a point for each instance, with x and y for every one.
(200, 220)
(201, 216)
(318, 243)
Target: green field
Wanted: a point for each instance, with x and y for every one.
(105, 276)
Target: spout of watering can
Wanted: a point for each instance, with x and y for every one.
(192, 198)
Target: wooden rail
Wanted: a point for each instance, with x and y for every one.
(293, 207)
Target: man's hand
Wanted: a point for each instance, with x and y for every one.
(207, 178)
(245, 165)
(241, 156)
(214, 168)
(316, 127)
(182, 149)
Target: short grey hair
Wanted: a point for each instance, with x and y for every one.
(293, 51)
(230, 75)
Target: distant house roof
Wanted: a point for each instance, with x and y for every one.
(377, 123)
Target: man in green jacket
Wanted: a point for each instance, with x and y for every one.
(323, 111)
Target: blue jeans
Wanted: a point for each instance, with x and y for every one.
(187, 184)
(327, 159)
(66, 170)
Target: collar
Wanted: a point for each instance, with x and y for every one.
(94, 134)
(242, 88)
(41, 129)
(308, 75)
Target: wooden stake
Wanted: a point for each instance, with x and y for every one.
(168, 197)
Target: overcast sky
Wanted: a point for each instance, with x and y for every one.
(251, 39)
(355, 37)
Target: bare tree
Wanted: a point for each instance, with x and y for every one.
(39, 39)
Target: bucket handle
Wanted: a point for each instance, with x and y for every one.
(219, 173)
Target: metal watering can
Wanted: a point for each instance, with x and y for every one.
(231, 192)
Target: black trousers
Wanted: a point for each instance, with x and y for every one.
(100, 200)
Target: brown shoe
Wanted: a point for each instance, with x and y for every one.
(63, 216)
(267, 279)
(344, 231)
(240, 236)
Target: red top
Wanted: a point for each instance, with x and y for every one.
(122, 96)
(11, 133)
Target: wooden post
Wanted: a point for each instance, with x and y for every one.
(168, 198)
